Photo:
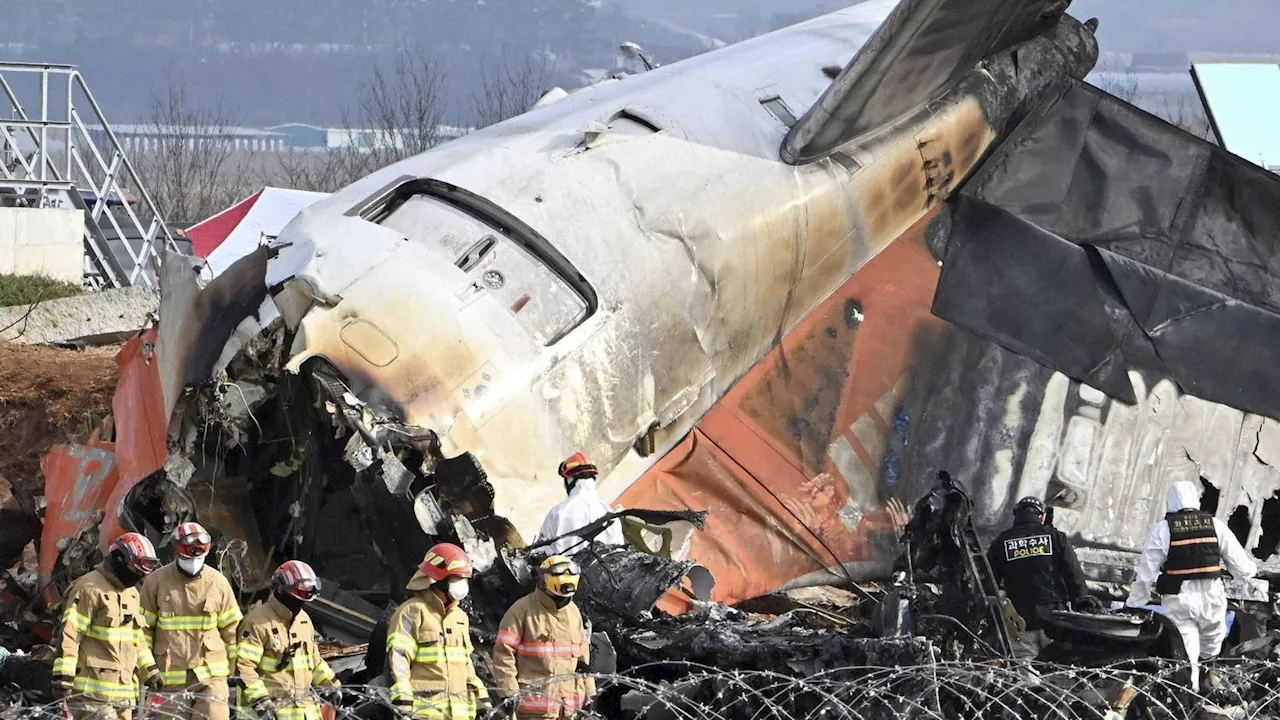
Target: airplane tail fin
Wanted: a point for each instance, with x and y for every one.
(923, 48)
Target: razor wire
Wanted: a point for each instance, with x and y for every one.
(1140, 690)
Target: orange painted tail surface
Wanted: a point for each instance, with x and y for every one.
(85, 483)
(797, 463)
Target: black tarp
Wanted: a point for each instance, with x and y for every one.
(1099, 238)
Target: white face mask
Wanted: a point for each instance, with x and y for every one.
(191, 566)
(458, 589)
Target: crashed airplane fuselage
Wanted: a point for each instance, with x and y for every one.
(596, 274)
(726, 307)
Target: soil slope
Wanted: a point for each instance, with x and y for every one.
(48, 396)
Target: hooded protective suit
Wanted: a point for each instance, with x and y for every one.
(1199, 609)
(581, 508)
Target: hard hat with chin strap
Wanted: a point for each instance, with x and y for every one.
(1030, 503)
(135, 552)
(444, 561)
(574, 468)
(191, 540)
(560, 576)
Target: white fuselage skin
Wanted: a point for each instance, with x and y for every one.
(703, 246)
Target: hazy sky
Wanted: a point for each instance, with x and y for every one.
(1181, 26)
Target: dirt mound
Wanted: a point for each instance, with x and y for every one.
(48, 396)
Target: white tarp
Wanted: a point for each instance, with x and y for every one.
(268, 214)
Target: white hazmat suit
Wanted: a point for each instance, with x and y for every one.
(1199, 610)
(581, 508)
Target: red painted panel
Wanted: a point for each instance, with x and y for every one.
(760, 460)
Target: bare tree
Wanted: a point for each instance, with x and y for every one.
(189, 163)
(1186, 115)
(509, 86)
(399, 112)
(316, 170)
(1118, 81)
(401, 108)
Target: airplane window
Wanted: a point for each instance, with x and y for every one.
(496, 263)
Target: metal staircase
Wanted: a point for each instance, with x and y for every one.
(57, 150)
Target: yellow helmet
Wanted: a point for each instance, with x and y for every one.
(560, 576)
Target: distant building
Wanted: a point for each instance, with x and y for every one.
(311, 137)
(369, 138)
(301, 136)
(148, 136)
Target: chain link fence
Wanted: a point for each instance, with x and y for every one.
(1152, 689)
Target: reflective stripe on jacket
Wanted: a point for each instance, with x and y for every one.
(268, 633)
(192, 623)
(103, 642)
(536, 642)
(1194, 553)
(429, 656)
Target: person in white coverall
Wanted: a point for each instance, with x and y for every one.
(1183, 560)
(581, 508)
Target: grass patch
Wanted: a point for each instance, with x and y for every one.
(26, 289)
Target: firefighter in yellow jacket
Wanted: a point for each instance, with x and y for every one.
(104, 646)
(429, 642)
(543, 636)
(277, 658)
(192, 615)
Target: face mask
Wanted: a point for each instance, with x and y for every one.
(458, 589)
(190, 566)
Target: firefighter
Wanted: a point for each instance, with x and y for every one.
(1183, 559)
(429, 642)
(581, 508)
(104, 645)
(1038, 569)
(544, 636)
(276, 657)
(191, 615)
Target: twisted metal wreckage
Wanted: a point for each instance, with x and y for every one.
(769, 332)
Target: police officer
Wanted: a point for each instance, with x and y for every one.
(1038, 569)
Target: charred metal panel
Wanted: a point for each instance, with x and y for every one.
(625, 583)
(920, 52)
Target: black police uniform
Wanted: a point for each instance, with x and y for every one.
(1038, 569)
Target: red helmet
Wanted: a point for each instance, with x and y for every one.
(444, 561)
(297, 579)
(576, 466)
(135, 552)
(191, 540)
